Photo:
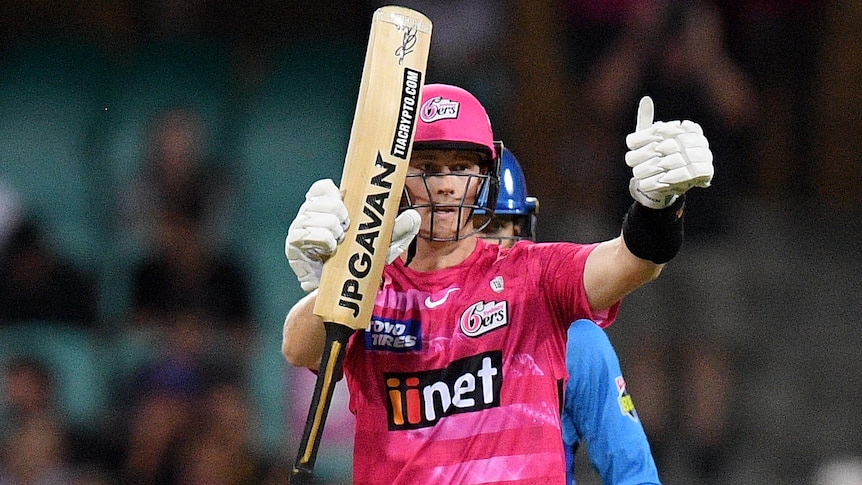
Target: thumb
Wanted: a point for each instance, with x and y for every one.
(406, 227)
(322, 188)
(645, 113)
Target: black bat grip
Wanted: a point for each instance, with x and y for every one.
(337, 336)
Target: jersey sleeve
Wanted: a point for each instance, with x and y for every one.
(560, 269)
(599, 410)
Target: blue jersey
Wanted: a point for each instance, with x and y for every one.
(599, 410)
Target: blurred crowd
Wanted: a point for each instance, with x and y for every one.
(179, 410)
(139, 336)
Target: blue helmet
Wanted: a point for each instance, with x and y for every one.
(512, 199)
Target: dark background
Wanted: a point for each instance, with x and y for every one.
(745, 353)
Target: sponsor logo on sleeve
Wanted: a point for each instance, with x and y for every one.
(627, 405)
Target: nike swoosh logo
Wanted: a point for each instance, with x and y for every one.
(433, 304)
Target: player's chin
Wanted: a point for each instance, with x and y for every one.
(440, 232)
(450, 233)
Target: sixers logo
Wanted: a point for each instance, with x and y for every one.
(439, 108)
(482, 317)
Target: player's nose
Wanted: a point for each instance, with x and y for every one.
(445, 182)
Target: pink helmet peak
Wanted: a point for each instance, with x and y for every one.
(452, 118)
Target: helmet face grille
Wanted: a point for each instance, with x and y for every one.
(465, 227)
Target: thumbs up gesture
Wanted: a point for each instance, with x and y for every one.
(667, 158)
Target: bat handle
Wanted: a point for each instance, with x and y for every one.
(337, 336)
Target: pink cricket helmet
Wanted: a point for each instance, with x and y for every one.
(452, 118)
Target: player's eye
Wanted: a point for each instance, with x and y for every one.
(461, 167)
(435, 168)
(429, 168)
(420, 168)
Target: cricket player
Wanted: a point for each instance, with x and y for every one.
(458, 377)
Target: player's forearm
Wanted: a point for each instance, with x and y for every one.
(612, 272)
(303, 335)
(641, 270)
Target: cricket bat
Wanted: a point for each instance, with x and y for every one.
(372, 181)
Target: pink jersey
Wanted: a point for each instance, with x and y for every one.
(458, 377)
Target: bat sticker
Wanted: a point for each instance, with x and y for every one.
(359, 263)
(407, 117)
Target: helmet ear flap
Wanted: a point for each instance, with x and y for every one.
(491, 189)
(533, 209)
(486, 205)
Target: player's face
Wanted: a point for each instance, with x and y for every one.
(440, 183)
(501, 230)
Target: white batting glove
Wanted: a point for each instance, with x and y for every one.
(667, 158)
(315, 232)
(405, 230)
(319, 227)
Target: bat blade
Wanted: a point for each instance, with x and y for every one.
(378, 154)
(375, 167)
